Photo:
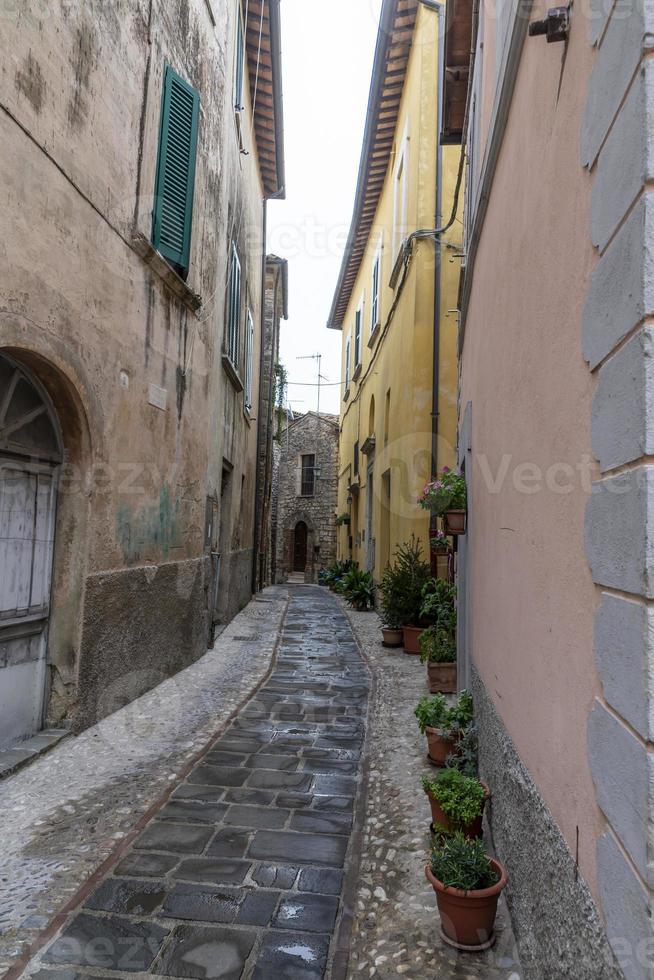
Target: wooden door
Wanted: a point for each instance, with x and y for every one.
(300, 548)
(30, 450)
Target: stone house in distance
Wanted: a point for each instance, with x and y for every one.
(146, 139)
(307, 493)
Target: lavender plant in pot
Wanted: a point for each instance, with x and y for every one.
(468, 884)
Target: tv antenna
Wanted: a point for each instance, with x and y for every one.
(321, 377)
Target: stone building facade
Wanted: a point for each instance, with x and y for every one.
(307, 496)
(136, 165)
(276, 309)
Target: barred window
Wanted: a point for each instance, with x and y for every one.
(308, 486)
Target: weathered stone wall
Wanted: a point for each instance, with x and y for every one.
(275, 307)
(317, 435)
(150, 419)
(557, 927)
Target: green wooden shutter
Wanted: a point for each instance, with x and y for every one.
(173, 204)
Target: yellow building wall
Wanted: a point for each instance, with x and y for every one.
(391, 398)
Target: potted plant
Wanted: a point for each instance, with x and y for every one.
(443, 725)
(401, 592)
(446, 496)
(358, 588)
(468, 884)
(457, 802)
(440, 543)
(343, 519)
(438, 651)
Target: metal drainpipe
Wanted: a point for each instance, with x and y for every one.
(438, 247)
(258, 489)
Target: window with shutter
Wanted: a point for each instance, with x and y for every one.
(347, 364)
(358, 316)
(234, 308)
(173, 202)
(249, 351)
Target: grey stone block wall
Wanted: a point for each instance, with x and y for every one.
(558, 928)
(617, 144)
(318, 435)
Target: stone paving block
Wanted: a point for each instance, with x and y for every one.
(334, 766)
(283, 762)
(321, 823)
(324, 881)
(195, 791)
(267, 818)
(229, 842)
(176, 837)
(108, 943)
(238, 743)
(200, 952)
(274, 876)
(223, 757)
(325, 785)
(193, 811)
(202, 903)
(342, 804)
(127, 895)
(307, 911)
(218, 775)
(258, 908)
(279, 845)
(295, 801)
(215, 871)
(270, 779)
(259, 797)
(141, 864)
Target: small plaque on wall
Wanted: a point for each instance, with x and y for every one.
(158, 397)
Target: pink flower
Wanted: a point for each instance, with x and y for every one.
(446, 469)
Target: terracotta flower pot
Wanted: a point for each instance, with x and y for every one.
(411, 636)
(438, 746)
(467, 918)
(441, 821)
(392, 638)
(442, 678)
(455, 521)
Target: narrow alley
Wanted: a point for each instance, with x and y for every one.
(248, 863)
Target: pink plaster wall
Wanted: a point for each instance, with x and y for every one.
(533, 601)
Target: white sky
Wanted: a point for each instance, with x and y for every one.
(327, 54)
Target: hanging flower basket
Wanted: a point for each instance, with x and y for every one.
(446, 493)
(440, 543)
(455, 522)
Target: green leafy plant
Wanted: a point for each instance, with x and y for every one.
(358, 588)
(336, 572)
(402, 584)
(343, 519)
(447, 492)
(439, 604)
(461, 863)
(466, 757)
(434, 712)
(461, 797)
(437, 646)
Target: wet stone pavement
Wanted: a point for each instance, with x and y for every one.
(242, 872)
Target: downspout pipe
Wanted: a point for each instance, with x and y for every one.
(438, 251)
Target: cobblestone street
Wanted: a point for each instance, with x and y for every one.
(291, 847)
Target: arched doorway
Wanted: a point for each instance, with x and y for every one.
(300, 547)
(31, 451)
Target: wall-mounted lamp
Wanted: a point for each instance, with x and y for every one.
(555, 27)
